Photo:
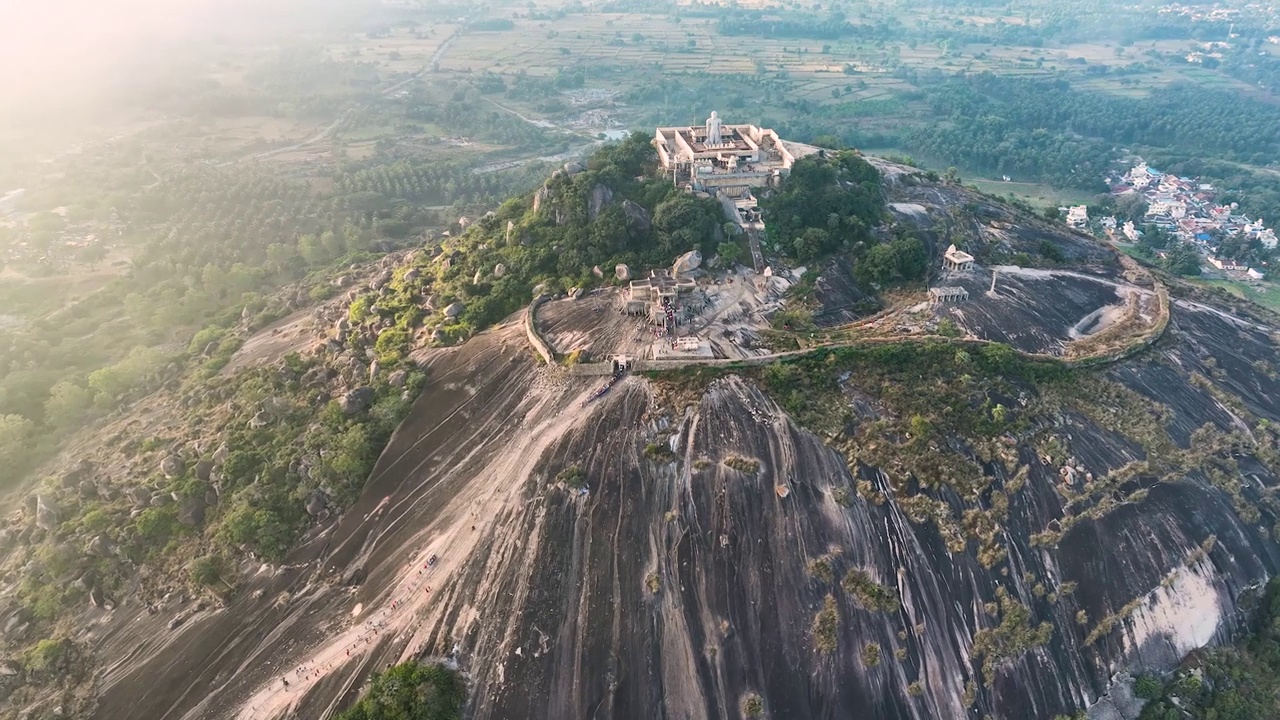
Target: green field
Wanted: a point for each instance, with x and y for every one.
(1265, 294)
(1037, 194)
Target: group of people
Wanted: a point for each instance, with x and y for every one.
(369, 631)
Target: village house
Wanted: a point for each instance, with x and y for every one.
(1078, 216)
(1226, 264)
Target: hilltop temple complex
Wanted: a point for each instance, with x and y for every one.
(717, 155)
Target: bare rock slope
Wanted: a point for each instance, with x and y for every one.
(678, 582)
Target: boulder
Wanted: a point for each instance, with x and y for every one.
(211, 497)
(356, 401)
(46, 513)
(454, 310)
(687, 262)
(172, 466)
(99, 547)
(601, 195)
(597, 271)
(464, 222)
(204, 470)
(87, 490)
(638, 220)
(477, 278)
(412, 274)
(511, 226)
(342, 280)
(374, 367)
(576, 293)
(191, 511)
(139, 496)
(574, 168)
(259, 420)
(621, 271)
(437, 335)
(78, 472)
(160, 498)
(398, 378)
(107, 492)
(499, 270)
(220, 455)
(541, 197)
(316, 502)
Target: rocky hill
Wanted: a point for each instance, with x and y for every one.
(920, 524)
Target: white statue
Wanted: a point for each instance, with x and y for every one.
(713, 129)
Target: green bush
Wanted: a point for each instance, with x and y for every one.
(48, 655)
(1147, 687)
(157, 525)
(871, 655)
(572, 477)
(411, 691)
(870, 594)
(826, 623)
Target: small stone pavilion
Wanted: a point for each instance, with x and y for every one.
(957, 259)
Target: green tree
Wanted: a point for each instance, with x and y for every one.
(729, 252)
(68, 405)
(1147, 687)
(15, 437)
(411, 691)
(207, 571)
(139, 366)
(93, 254)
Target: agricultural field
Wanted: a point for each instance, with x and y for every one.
(1265, 294)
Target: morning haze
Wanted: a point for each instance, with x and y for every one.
(902, 359)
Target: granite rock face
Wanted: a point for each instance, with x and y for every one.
(672, 585)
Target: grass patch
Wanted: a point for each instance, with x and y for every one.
(842, 496)
(658, 451)
(870, 594)
(820, 568)
(871, 655)
(1011, 638)
(826, 624)
(573, 477)
(742, 465)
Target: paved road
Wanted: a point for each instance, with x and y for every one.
(435, 59)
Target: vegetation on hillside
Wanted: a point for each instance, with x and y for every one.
(614, 211)
(209, 247)
(827, 203)
(1238, 682)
